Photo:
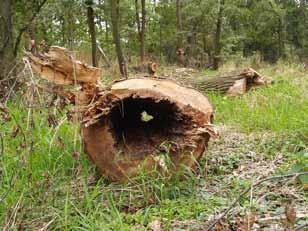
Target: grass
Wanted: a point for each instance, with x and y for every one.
(45, 184)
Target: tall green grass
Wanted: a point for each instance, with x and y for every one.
(280, 107)
(41, 183)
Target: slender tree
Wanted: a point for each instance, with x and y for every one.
(179, 26)
(37, 6)
(217, 50)
(114, 4)
(179, 29)
(91, 26)
(141, 27)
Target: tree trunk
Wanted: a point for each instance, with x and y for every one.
(7, 58)
(141, 27)
(35, 11)
(179, 24)
(91, 25)
(180, 50)
(217, 51)
(142, 35)
(116, 35)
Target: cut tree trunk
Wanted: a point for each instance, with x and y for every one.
(139, 124)
(7, 58)
(233, 84)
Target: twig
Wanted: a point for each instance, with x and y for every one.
(1, 146)
(278, 218)
(300, 227)
(47, 225)
(212, 225)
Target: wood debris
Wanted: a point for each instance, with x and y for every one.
(60, 67)
(115, 136)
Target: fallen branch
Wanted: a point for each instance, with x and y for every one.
(216, 221)
(1, 146)
(300, 227)
(281, 217)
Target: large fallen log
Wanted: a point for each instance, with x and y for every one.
(120, 141)
(138, 124)
(234, 84)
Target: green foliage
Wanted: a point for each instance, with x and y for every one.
(275, 29)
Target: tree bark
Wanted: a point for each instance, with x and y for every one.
(217, 51)
(23, 29)
(7, 58)
(116, 35)
(91, 25)
(179, 24)
(180, 50)
(141, 27)
(233, 84)
(142, 35)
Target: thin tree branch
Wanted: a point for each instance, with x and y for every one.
(300, 227)
(212, 225)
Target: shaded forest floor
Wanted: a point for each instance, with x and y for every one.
(47, 183)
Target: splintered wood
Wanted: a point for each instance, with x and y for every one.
(60, 67)
(117, 137)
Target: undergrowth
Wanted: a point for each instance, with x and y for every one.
(46, 181)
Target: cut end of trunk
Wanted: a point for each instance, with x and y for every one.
(147, 118)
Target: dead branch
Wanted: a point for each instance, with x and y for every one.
(216, 221)
(301, 227)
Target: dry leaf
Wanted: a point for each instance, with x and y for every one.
(75, 154)
(52, 121)
(155, 225)
(4, 112)
(60, 142)
(15, 131)
(246, 223)
(77, 170)
(290, 213)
